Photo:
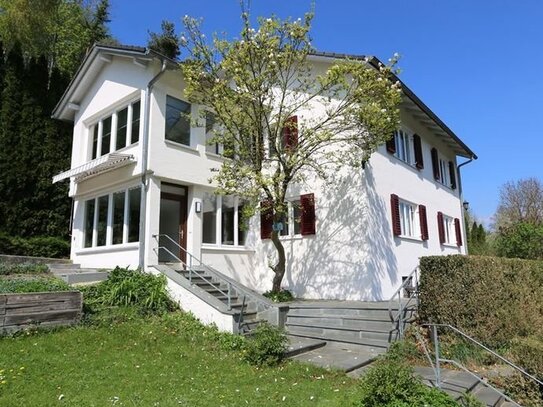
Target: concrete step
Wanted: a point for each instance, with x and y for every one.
(86, 276)
(361, 323)
(337, 334)
(373, 313)
(297, 345)
(63, 266)
(334, 337)
(487, 395)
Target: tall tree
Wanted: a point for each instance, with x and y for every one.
(520, 202)
(167, 42)
(256, 85)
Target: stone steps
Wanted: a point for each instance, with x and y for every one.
(74, 274)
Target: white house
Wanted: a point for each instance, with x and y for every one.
(139, 169)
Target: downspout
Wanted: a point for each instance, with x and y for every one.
(144, 164)
(461, 195)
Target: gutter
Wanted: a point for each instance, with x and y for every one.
(144, 163)
(460, 194)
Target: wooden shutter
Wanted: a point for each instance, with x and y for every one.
(308, 218)
(391, 144)
(417, 144)
(458, 231)
(395, 210)
(452, 174)
(440, 228)
(435, 164)
(290, 133)
(266, 219)
(423, 222)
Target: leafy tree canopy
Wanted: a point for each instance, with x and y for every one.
(166, 42)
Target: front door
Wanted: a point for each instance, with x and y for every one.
(173, 223)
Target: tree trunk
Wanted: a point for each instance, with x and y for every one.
(279, 268)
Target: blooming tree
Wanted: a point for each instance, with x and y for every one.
(256, 84)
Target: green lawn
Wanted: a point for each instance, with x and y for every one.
(155, 361)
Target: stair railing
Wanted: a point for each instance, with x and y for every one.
(410, 286)
(438, 360)
(189, 265)
(241, 314)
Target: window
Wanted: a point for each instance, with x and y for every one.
(177, 121)
(300, 218)
(449, 229)
(211, 147)
(228, 224)
(448, 226)
(123, 222)
(106, 138)
(444, 170)
(408, 219)
(292, 220)
(406, 147)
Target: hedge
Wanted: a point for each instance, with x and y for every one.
(493, 299)
(41, 246)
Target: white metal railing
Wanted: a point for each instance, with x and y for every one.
(438, 360)
(410, 286)
(189, 265)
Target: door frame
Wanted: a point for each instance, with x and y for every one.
(183, 215)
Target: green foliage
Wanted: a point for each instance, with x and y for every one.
(32, 284)
(477, 242)
(281, 296)
(493, 299)
(126, 287)
(166, 42)
(391, 383)
(523, 390)
(522, 240)
(469, 400)
(266, 347)
(53, 247)
(528, 353)
(22, 268)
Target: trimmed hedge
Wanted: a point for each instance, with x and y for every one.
(494, 299)
(40, 246)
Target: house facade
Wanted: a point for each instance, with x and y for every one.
(139, 180)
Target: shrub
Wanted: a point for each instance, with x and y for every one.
(493, 299)
(266, 346)
(523, 390)
(391, 383)
(281, 296)
(528, 353)
(55, 247)
(32, 285)
(523, 240)
(22, 268)
(126, 287)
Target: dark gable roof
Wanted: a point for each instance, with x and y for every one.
(409, 93)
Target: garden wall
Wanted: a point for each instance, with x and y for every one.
(20, 311)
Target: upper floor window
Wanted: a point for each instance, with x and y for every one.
(211, 147)
(444, 170)
(116, 131)
(408, 219)
(406, 147)
(178, 120)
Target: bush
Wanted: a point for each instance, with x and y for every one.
(391, 383)
(528, 353)
(493, 299)
(281, 296)
(523, 390)
(266, 346)
(523, 240)
(54, 247)
(126, 287)
(22, 268)
(32, 285)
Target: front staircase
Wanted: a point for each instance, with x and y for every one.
(74, 274)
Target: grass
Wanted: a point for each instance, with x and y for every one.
(129, 360)
(32, 284)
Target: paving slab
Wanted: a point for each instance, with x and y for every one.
(298, 345)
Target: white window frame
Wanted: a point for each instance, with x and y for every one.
(449, 230)
(444, 176)
(409, 219)
(218, 225)
(291, 220)
(113, 135)
(405, 146)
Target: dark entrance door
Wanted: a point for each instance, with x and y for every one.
(173, 222)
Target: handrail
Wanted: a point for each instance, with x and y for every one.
(191, 269)
(412, 281)
(438, 359)
(240, 320)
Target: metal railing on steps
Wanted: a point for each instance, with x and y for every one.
(410, 287)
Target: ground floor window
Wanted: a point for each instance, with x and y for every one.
(112, 219)
(222, 220)
(291, 222)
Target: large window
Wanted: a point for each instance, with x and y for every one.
(112, 219)
(409, 219)
(222, 216)
(448, 229)
(404, 146)
(291, 222)
(211, 147)
(177, 121)
(107, 137)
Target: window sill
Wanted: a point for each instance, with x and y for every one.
(450, 245)
(214, 156)
(226, 248)
(295, 237)
(108, 249)
(411, 238)
(409, 165)
(183, 147)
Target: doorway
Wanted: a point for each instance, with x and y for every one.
(173, 223)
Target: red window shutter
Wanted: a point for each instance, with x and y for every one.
(435, 164)
(417, 144)
(308, 218)
(395, 210)
(458, 231)
(423, 222)
(441, 228)
(290, 133)
(452, 174)
(391, 144)
(266, 219)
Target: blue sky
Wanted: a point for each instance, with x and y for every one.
(474, 63)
